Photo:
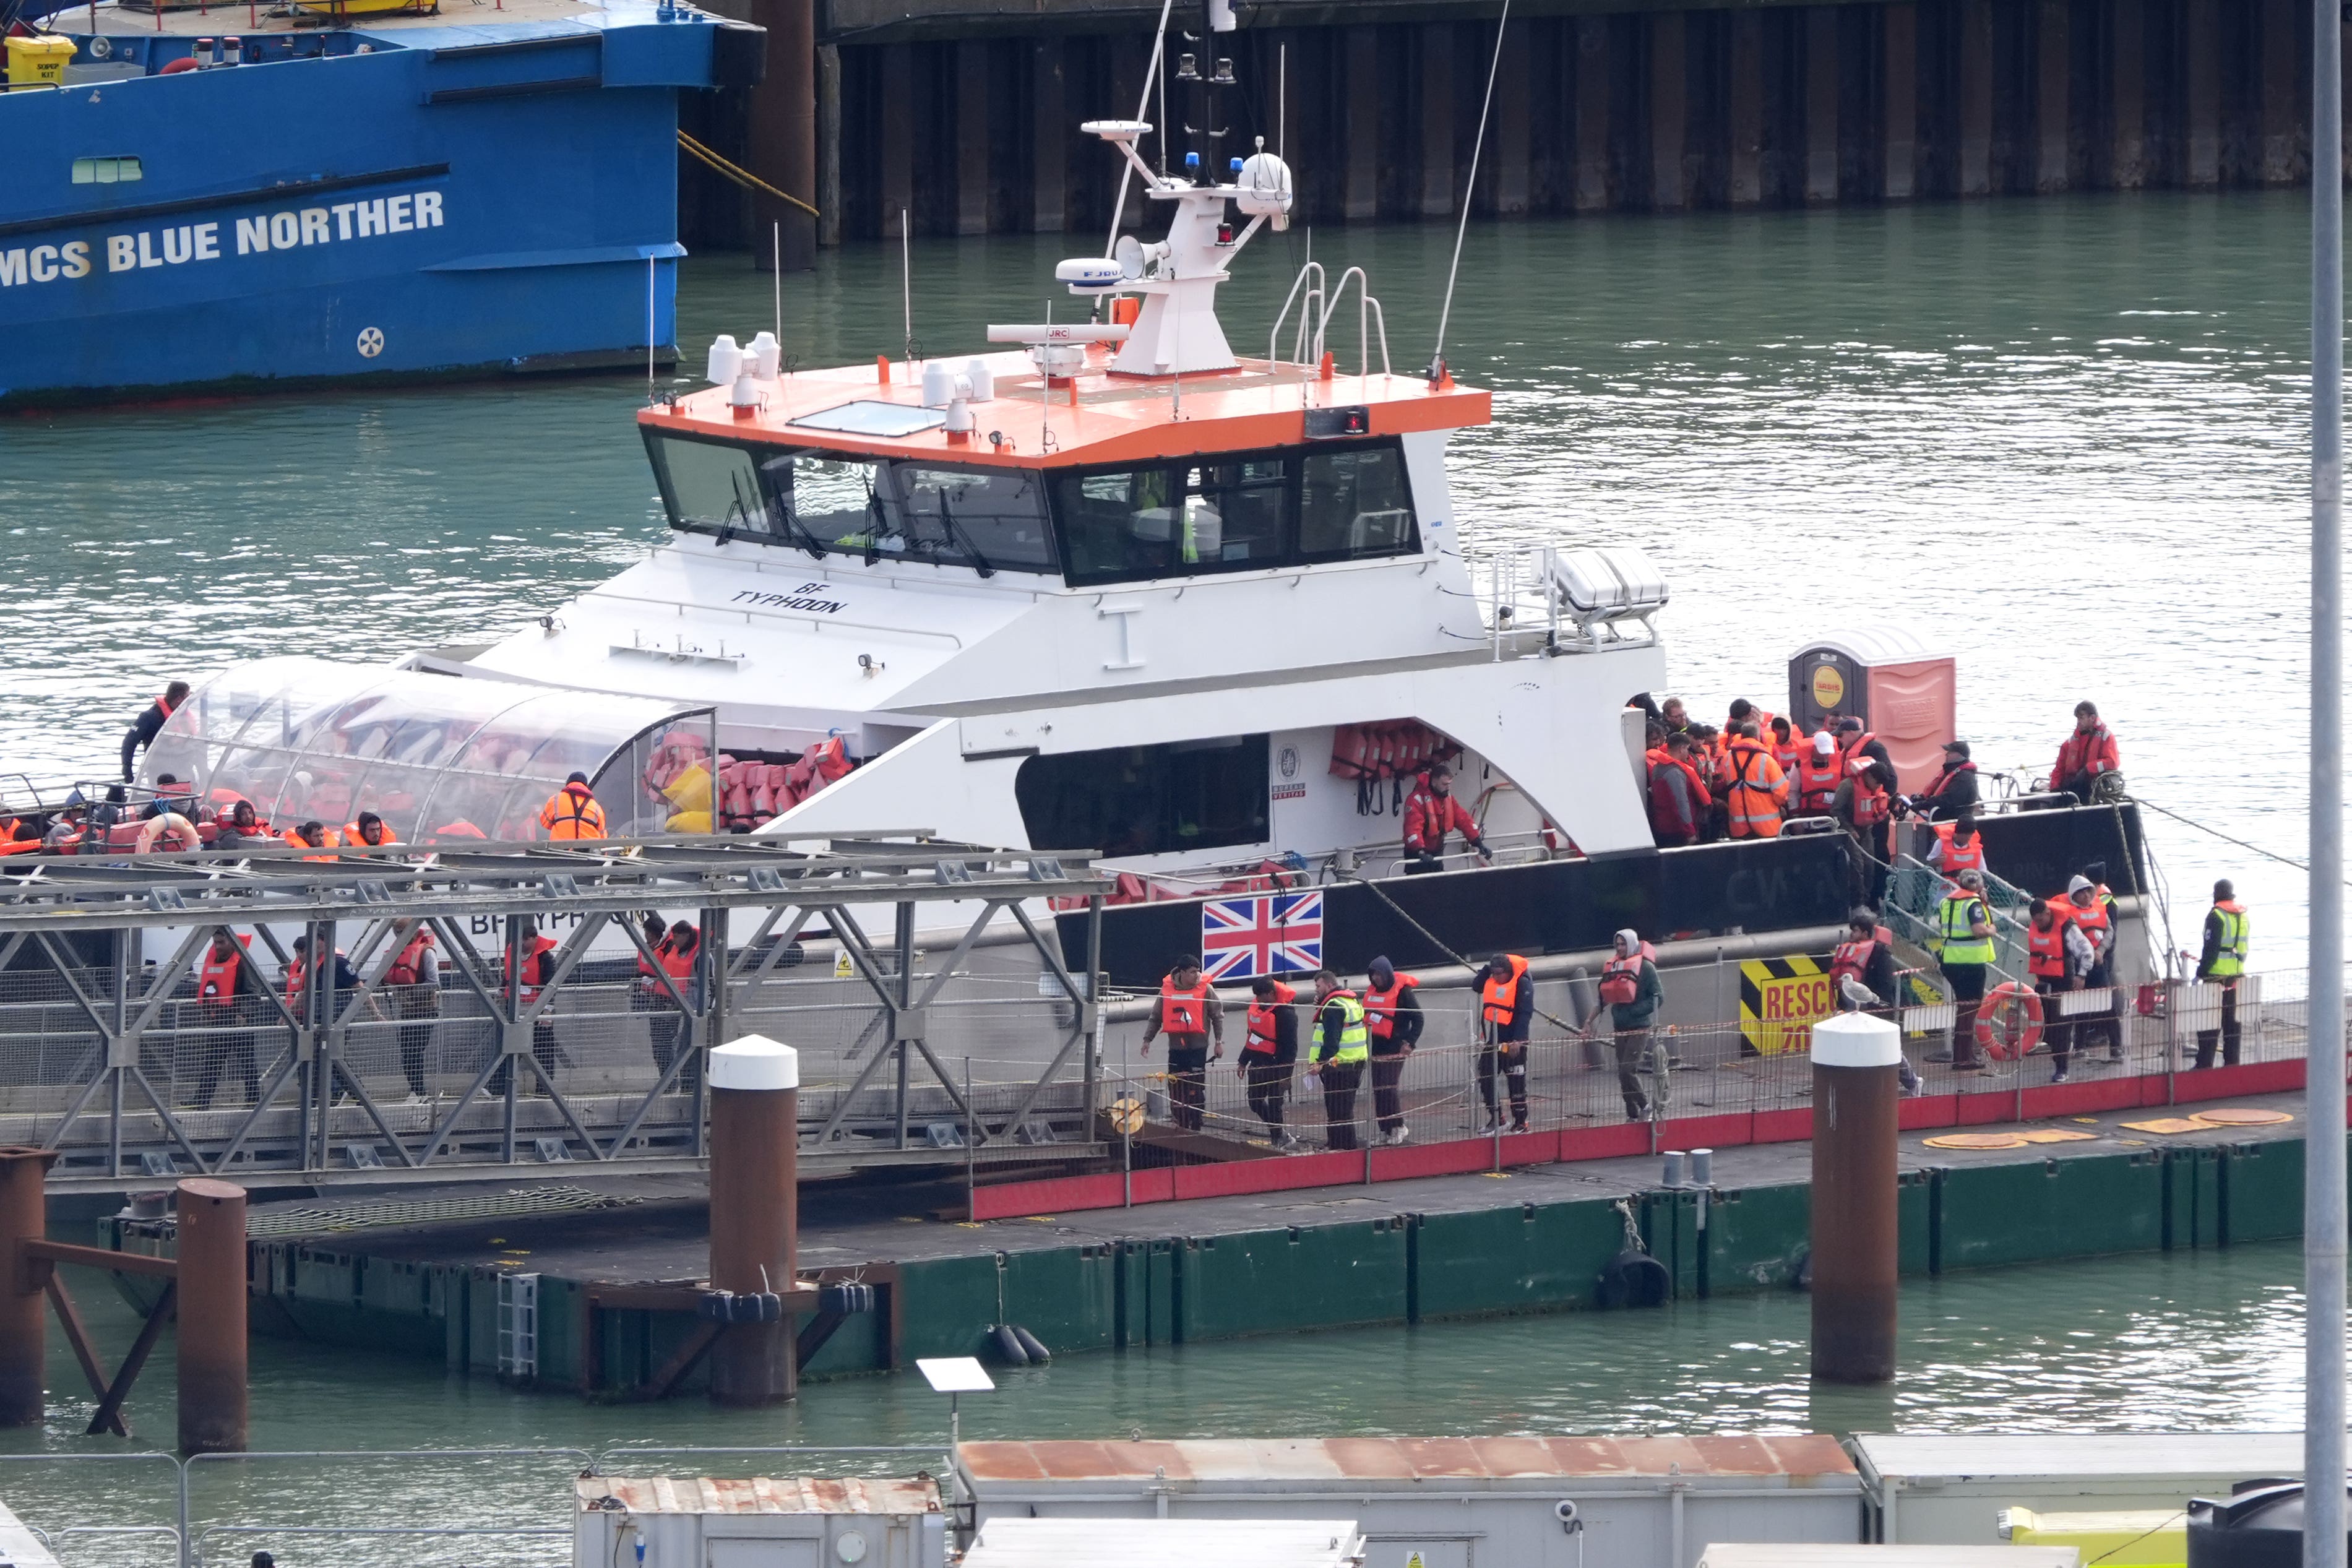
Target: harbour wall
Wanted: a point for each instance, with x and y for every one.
(1456, 1247)
(963, 116)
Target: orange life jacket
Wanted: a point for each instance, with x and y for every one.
(2045, 950)
(408, 968)
(1500, 995)
(1854, 957)
(1817, 785)
(1952, 857)
(534, 965)
(571, 813)
(294, 837)
(299, 969)
(1758, 791)
(1621, 978)
(351, 835)
(1183, 1012)
(1871, 805)
(217, 981)
(1379, 1007)
(461, 829)
(1263, 1017)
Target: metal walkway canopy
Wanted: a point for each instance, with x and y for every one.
(180, 1013)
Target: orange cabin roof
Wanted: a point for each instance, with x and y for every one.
(1094, 418)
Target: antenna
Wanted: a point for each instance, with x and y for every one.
(779, 241)
(907, 282)
(1142, 102)
(1437, 360)
(1281, 100)
(652, 312)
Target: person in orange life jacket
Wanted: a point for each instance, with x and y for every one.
(1788, 748)
(2221, 963)
(1759, 790)
(1269, 1055)
(1393, 1018)
(1678, 798)
(1743, 712)
(1853, 741)
(1431, 812)
(1631, 987)
(14, 829)
(225, 974)
(1338, 1056)
(66, 827)
(171, 795)
(1967, 926)
(2085, 754)
(1864, 806)
(342, 980)
(1955, 789)
(368, 831)
(2090, 906)
(1194, 1022)
(413, 982)
(1866, 958)
(149, 724)
(2058, 957)
(1507, 1004)
(676, 952)
(1958, 847)
(242, 826)
(538, 967)
(572, 812)
(1816, 775)
(314, 835)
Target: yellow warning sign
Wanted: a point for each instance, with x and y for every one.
(1414, 1561)
(1829, 687)
(842, 968)
(1779, 1000)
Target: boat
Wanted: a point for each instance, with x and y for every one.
(441, 198)
(1111, 586)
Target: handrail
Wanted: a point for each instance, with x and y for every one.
(1274, 337)
(1366, 308)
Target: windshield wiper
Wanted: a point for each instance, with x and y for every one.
(979, 561)
(742, 508)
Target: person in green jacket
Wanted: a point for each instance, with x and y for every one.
(1633, 991)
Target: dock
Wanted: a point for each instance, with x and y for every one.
(611, 1262)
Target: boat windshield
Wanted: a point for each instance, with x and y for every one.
(989, 519)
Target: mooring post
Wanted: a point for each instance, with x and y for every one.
(23, 1321)
(212, 1292)
(754, 1210)
(1856, 1100)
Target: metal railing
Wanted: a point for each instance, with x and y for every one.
(587, 1053)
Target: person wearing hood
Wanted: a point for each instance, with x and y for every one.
(1631, 988)
(1955, 789)
(2092, 908)
(1393, 1018)
(1506, 1004)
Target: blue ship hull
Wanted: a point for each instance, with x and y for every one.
(416, 201)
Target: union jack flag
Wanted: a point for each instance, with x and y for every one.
(1275, 933)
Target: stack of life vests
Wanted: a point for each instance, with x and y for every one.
(750, 794)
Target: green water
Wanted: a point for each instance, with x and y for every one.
(2184, 1340)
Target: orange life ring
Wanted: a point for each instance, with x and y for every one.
(2009, 1021)
(173, 823)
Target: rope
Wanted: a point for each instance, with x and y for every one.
(2256, 849)
(1381, 893)
(742, 177)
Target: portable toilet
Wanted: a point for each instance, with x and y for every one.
(1903, 691)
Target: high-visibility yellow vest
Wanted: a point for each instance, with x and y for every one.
(1960, 946)
(1355, 1039)
(2229, 961)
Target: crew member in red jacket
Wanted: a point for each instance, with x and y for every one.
(2089, 752)
(1431, 812)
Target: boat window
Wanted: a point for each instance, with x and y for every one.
(991, 520)
(1148, 800)
(820, 500)
(708, 485)
(1355, 503)
(1245, 512)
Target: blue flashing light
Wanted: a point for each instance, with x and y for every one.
(1234, 164)
(1192, 159)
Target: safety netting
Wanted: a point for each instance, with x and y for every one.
(439, 758)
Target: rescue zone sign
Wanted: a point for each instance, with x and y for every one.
(1779, 1000)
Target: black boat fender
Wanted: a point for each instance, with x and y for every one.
(1008, 1344)
(1033, 1347)
(1633, 1279)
